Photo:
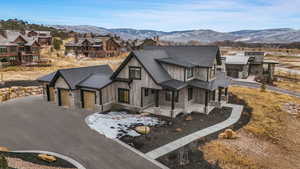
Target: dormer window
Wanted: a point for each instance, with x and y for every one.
(189, 73)
(134, 73)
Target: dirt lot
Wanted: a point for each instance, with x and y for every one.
(271, 140)
(177, 128)
(290, 62)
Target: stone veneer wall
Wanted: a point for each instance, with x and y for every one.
(16, 91)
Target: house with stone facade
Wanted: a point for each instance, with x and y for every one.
(159, 80)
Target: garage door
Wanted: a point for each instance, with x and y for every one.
(89, 100)
(65, 98)
(51, 94)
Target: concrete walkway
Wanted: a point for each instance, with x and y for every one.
(234, 117)
(271, 88)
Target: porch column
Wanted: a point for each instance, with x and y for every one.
(206, 100)
(220, 95)
(226, 91)
(173, 103)
(156, 98)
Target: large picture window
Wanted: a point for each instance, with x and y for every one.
(123, 95)
(189, 72)
(3, 50)
(134, 73)
(169, 96)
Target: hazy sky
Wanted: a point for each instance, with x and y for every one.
(165, 15)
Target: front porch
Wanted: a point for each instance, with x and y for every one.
(187, 100)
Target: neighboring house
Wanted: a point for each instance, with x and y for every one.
(159, 80)
(140, 44)
(17, 48)
(101, 46)
(237, 66)
(44, 37)
(260, 67)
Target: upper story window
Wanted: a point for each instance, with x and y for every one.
(134, 73)
(189, 72)
(3, 50)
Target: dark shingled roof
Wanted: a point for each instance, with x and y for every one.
(96, 81)
(221, 81)
(188, 56)
(148, 60)
(75, 76)
(174, 84)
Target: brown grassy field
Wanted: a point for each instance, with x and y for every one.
(271, 140)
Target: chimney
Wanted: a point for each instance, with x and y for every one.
(3, 33)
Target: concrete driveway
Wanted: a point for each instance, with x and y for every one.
(32, 124)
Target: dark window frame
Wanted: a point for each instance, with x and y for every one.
(190, 94)
(189, 73)
(122, 100)
(146, 92)
(136, 68)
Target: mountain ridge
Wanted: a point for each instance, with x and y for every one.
(274, 35)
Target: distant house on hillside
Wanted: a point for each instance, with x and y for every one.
(44, 37)
(140, 44)
(160, 80)
(90, 46)
(17, 48)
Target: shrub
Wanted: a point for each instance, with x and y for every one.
(57, 43)
(263, 87)
(3, 162)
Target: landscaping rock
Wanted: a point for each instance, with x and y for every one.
(4, 149)
(178, 130)
(228, 134)
(143, 129)
(189, 118)
(47, 158)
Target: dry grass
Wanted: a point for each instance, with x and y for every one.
(289, 85)
(271, 140)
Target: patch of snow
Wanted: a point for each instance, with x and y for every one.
(117, 124)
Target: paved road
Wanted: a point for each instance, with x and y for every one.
(272, 88)
(32, 124)
(165, 149)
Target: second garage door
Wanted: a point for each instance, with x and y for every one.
(89, 100)
(65, 98)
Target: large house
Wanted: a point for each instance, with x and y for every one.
(159, 80)
(250, 63)
(16, 48)
(99, 46)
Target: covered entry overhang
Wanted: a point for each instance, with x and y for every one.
(192, 96)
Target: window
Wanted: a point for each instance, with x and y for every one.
(3, 50)
(123, 95)
(189, 72)
(135, 73)
(13, 49)
(152, 91)
(169, 96)
(146, 92)
(190, 93)
(13, 58)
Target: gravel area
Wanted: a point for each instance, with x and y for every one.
(176, 128)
